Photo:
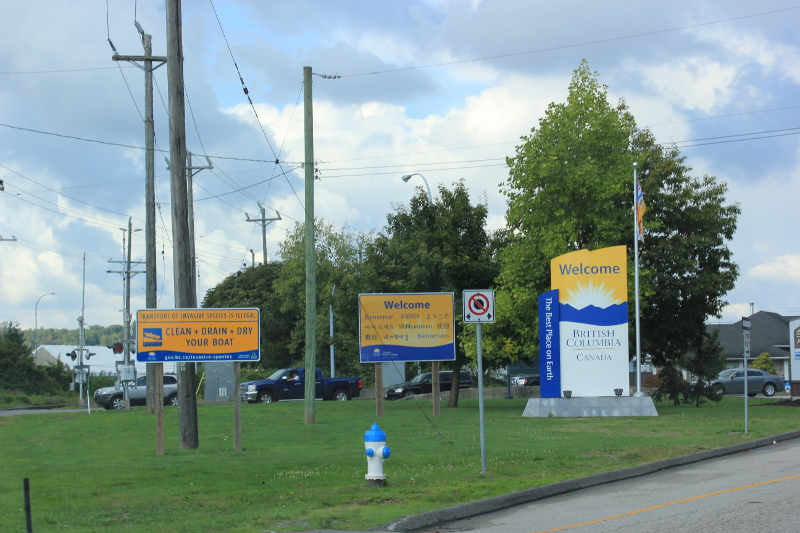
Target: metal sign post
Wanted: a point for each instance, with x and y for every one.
(746, 332)
(480, 400)
(479, 308)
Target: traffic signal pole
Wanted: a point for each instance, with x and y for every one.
(126, 298)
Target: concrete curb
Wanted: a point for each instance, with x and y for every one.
(468, 510)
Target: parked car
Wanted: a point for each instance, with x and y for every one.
(112, 397)
(731, 381)
(525, 381)
(423, 384)
(290, 384)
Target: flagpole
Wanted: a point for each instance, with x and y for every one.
(636, 283)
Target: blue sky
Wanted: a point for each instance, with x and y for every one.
(445, 88)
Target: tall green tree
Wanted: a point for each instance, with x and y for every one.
(17, 369)
(435, 247)
(340, 256)
(570, 188)
(686, 263)
(255, 287)
(704, 364)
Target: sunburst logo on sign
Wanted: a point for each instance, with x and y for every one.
(598, 278)
(590, 293)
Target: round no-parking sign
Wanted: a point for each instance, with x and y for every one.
(478, 306)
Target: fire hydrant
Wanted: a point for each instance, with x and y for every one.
(377, 451)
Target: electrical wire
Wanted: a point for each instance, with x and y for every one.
(574, 45)
(121, 145)
(253, 107)
(83, 217)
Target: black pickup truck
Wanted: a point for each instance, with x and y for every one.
(290, 384)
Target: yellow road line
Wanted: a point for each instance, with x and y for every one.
(667, 504)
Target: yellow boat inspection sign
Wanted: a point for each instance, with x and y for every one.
(198, 335)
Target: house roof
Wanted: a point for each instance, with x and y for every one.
(769, 332)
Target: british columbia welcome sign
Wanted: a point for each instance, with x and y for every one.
(407, 327)
(583, 325)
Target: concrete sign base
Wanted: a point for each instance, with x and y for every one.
(591, 406)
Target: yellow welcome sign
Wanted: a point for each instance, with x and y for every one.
(585, 277)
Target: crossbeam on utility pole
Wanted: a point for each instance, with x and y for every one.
(263, 222)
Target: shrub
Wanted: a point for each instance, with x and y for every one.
(764, 362)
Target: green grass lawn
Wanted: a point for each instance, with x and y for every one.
(99, 471)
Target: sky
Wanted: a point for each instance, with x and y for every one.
(444, 88)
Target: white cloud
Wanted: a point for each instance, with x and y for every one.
(782, 269)
(368, 134)
(748, 48)
(695, 82)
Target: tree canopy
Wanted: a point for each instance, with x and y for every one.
(278, 290)
(570, 187)
(435, 247)
(17, 369)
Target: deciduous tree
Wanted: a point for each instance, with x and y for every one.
(435, 247)
(570, 187)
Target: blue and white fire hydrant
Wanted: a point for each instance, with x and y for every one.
(377, 451)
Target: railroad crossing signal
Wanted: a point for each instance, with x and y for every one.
(478, 306)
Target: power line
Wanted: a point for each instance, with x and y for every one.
(252, 106)
(241, 80)
(722, 116)
(59, 71)
(82, 217)
(121, 145)
(415, 165)
(395, 172)
(574, 45)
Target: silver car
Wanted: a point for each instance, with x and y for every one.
(731, 381)
(111, 397)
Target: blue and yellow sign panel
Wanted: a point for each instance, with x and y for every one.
(198, 335)
(407, 327)
(592, 292)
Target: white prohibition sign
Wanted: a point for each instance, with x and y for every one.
(478, 304)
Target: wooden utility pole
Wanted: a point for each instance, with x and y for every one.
(126, 346)
(151, 301)
(237, 407)
(155, 371)
(378, 389)
(191, 170)
(181, 262)
(263, 222)
(311, 256)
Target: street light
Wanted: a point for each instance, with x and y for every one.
(407, 177)
(36, 327)
(435, 365)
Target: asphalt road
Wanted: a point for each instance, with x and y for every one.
(13, 412)
(756, 490)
